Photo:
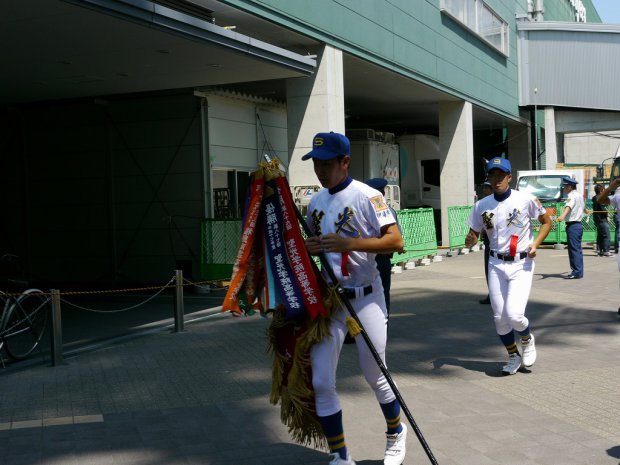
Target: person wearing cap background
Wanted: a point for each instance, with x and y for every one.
(506, 217)
(384, 261)
(486, 191)
(350, 223)
(573, 213)
(601, 220)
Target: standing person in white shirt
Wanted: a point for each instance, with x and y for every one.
(573, 213)
(506, 217)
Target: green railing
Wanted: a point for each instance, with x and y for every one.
(458, 227)
(220, 240)
(558, 231)
(418, 229)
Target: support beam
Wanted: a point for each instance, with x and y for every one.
(456, 150)
(315, 104)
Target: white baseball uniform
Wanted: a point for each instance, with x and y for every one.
(352, 209)
(507, 224)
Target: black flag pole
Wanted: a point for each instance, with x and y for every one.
(347, 303)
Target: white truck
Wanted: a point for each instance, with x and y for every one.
(547, 184)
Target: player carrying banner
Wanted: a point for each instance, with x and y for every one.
(351, 223)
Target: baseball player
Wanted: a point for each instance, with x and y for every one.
(506, 217)
(351, 222)
(574, 210)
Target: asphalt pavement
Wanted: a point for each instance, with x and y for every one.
(201, 396)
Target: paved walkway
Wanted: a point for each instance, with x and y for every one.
(201, 397)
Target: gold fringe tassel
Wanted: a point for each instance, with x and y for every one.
(297, 398)
(353, 327)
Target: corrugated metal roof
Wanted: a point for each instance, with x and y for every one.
(569, 65)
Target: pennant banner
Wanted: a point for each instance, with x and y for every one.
(272, 260)
(242, 262)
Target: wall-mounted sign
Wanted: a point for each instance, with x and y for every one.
(580, 10)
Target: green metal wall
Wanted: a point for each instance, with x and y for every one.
(414, 39)
(410, 37)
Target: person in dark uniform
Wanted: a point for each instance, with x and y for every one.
(486, 190)
(384, 261)
(601, 220)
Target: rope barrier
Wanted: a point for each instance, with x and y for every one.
(116, 291)
(121, 309)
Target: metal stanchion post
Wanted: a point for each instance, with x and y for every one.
(179, 311)
(56, 339)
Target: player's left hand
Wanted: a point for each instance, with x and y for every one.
(531, 252)
(334, 243)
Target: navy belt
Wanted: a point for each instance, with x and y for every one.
(353, 294)
(572, 222)
(507, 258)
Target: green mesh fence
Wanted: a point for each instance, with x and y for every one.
(418, 228)
(220, 240)
(554, 209)
(458, 227)
(558, 231)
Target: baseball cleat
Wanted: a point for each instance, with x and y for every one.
(513, 365)
(529, 352)
(396, 447)
(336, 460)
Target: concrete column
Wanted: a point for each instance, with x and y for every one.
(519, 149)
(551, 146)
(314, 104)
(456, 151)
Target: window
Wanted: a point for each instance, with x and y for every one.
(431, 172)
(481, 19)
(229, 191)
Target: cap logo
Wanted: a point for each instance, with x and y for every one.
(318, 141)
(497, 161)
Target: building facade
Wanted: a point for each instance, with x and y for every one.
(140, 119)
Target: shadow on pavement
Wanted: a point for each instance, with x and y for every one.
(492, 369)
(614, 452)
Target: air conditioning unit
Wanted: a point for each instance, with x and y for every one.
(387, 137)
(361, 134)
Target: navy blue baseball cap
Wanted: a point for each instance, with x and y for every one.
(377, 183)
(499, 163)
(569, 181)
(328, 145)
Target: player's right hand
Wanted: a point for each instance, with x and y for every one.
(313, 244)
(471, 239)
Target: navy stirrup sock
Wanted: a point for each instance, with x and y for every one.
(509, 341)
(525, 335)
(391, 412)
(334, 433)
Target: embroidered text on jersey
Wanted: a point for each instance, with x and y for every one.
(343, 223)
(487, 219)
(317, 216)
